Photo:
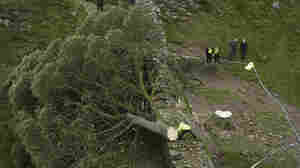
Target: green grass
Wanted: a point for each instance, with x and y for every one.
(273, 122)
(272, 35)
(240, 153)
(217, 96)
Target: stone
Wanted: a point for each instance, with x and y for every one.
(188, 166)
(242, 90)
(176, 155)
(74, 13)
(251, 137)
(276, 5)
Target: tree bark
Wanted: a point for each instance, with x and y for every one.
(150, 150)
(158, 127)
(155, 127)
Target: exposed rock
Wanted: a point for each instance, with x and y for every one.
(178, 9)
(176, 155)
(276, 5)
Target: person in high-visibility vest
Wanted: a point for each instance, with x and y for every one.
(183, 129)
(209, 54)
(217, 55)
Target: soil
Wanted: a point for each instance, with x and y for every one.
(251, 101)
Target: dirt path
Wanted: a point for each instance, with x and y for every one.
(252, 95)
(252, 101)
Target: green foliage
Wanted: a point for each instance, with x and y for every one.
(6, 142)
(69, 100)
(36, 24)
(100, 24)
(217, 96)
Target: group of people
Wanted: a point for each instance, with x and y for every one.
(214, 53)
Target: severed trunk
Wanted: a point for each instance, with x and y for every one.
(150, 150)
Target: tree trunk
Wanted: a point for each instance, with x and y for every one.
(156, 127)
(160, 128)
(150, 150)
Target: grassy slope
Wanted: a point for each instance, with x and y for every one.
(271, 33)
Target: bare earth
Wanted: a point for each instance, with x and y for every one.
(252, 100)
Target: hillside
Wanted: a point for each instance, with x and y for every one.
(257, 125)
(273, 36)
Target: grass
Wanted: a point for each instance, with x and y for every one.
(273, 122)
(272, 36)
(217, 96)
(241, 153)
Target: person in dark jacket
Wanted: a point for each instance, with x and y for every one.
(217, 55)
(233, 46)
(209, 55)
(132, 2)
(243, 48)
(100, 5)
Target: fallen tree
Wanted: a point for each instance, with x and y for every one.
(90, 95)
(160, 128)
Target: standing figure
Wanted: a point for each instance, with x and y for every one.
(132, 2)
(217, 55)
(100, 5)
(243, 48)
(233, 46)
(209, 54)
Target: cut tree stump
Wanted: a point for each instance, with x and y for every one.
(150, 149)
(159, 127)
